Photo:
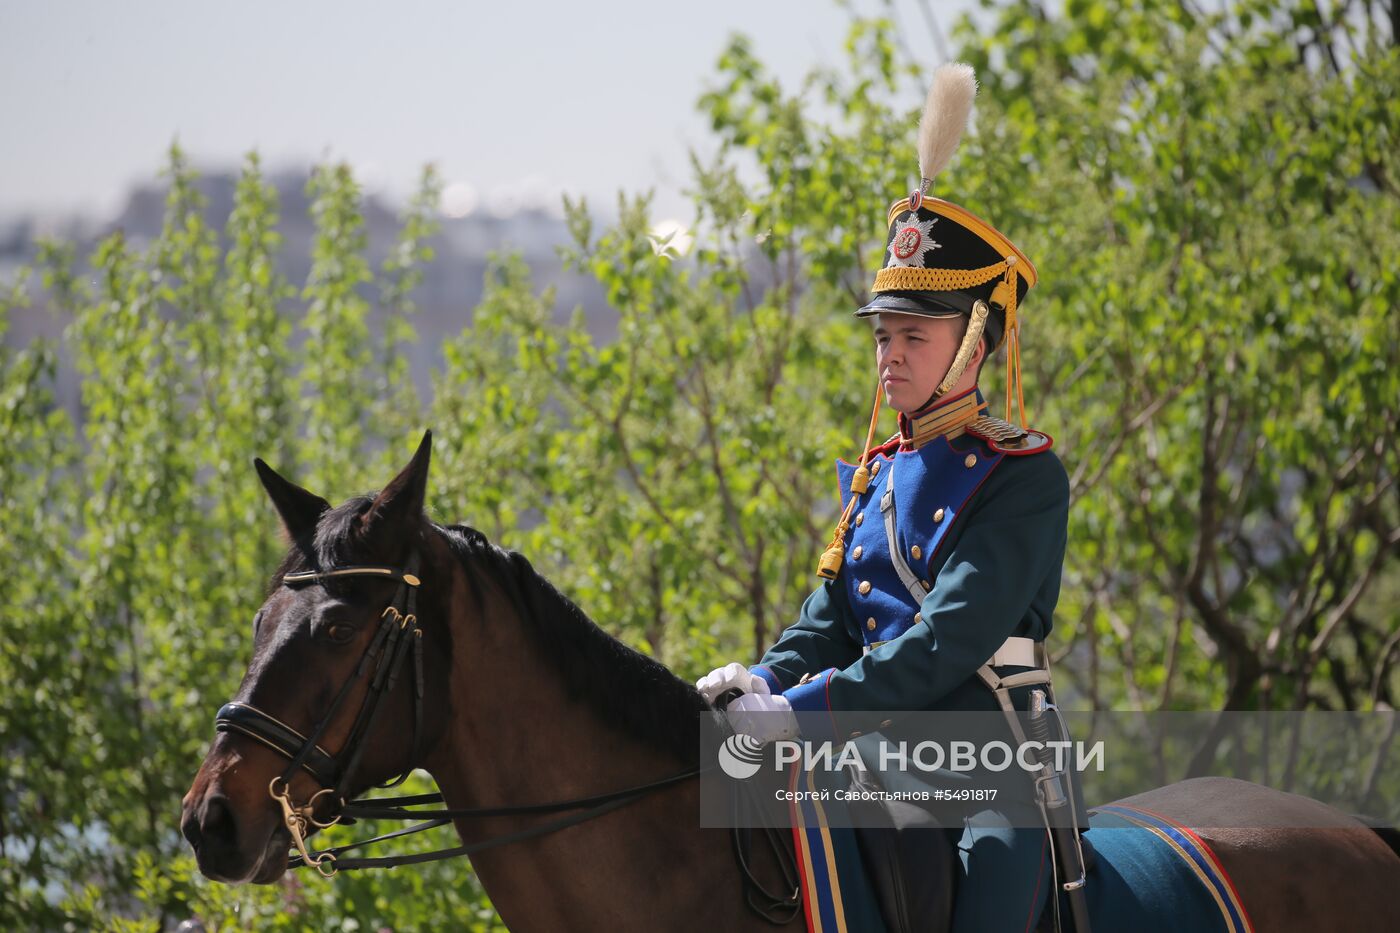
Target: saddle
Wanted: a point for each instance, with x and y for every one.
(908, 859)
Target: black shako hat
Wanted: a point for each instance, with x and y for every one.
(941, 259)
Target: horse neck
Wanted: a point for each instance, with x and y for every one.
(515, 737)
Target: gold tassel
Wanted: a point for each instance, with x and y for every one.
(860, 482)
(829, 566)
(835, 554)
(1005, 293)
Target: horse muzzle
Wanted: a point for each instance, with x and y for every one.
(236, 835)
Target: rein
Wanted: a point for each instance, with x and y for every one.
(592, 807)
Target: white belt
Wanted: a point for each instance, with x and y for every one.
(1018, 651)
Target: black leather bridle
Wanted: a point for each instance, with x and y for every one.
(398, 635)
(386, 654)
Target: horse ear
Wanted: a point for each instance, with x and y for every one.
(300, 509)
(403, 498)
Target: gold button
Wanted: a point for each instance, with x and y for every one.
(855, 555)
(875, 468)
(856, 735)
(864, 587)
(926, 585)
(916, 551)
(860, 518)
(886, 723)
(938, 516)
(870, 624)
(918, 617)
(971, 461)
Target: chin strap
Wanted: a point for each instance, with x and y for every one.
(975, 326)
(1004, 298)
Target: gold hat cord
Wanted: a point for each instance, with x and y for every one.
(1005, 294)
(835, 554)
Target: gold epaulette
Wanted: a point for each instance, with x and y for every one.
(1007, 438)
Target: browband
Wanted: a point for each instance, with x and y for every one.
(291, 579)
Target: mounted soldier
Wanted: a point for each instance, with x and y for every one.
(388, 642)
(941, 580)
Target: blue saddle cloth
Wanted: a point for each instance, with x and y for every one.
(1156, 876)
(837, 897)
(1151, 875)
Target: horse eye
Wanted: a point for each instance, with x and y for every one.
(340, 633)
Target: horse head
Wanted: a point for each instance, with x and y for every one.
(332, 701)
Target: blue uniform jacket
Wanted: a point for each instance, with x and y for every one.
(985, 532)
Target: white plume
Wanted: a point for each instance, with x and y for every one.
(945, 116)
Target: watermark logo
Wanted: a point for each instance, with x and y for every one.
(740, 755)
(954, 763)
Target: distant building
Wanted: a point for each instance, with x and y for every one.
(452, 283)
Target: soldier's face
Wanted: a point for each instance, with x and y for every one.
(913, 353)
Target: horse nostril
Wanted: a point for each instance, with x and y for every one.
(218, 824)
(189, 828)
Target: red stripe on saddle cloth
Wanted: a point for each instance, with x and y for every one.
(1229, 898)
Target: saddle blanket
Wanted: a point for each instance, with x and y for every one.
(836, 895)
(1151, 874)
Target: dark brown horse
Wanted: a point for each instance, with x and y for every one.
(526, 701)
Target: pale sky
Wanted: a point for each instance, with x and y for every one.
(515, 102)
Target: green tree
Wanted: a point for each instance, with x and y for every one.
(144, 539)
(1215, 198)
(1211, 198)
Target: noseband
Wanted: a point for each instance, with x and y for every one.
(398, 634)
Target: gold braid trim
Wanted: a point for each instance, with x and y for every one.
(908, 278)
(950, 419)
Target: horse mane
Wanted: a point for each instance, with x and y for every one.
(627, 689)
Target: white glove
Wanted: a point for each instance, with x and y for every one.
(763, 716)
(733, 676)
